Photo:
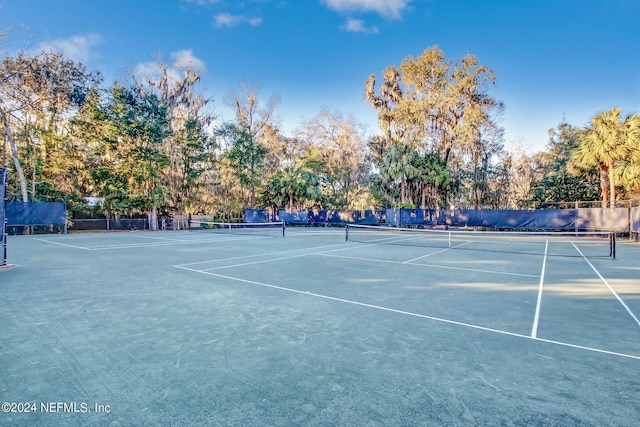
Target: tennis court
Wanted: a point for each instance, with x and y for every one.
(247, 327)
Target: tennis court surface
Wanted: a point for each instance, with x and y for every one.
(246, 327)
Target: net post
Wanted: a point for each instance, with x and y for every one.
(283, 228)
(346, 234)
(612, 245)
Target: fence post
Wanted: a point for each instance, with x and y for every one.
(3, 209)
(65, 215)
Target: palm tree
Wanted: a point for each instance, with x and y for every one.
(294, 185)
(433, 174)
(629, 174)
(399, 163)
(604, 143)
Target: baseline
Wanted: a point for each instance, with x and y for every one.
(174, 242)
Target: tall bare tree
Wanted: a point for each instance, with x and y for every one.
(255, 124)
(36, 96)
(190, 144)
(251, 113)
(339, 141)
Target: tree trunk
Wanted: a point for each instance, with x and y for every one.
(604, 186)
(14, 154)
(612, 185)
(153, 218)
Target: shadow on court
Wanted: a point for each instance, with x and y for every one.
(211, 328)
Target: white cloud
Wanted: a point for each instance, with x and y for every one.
(227, 20)
(358, 26)
(186, 59)
(149, 70)
(182, 59)
(77, 48)
(387, 8)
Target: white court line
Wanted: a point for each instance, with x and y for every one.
(256, 262)
(433, 266)
(536, 317)
(231, 258)
(408, 313)
(62, 244)
(608, 286)
(166, 239)
(341, 247)
(299, 233)
(435, 253)
(391, 239)
(425, 256)
(266, 254)
(278, 259)
(345, 247)
(222, 238)
(152, 245)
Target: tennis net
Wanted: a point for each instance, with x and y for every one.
(274, 229)
(569, 244)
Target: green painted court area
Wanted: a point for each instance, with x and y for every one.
(218, 328)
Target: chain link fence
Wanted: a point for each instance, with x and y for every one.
(634, 219)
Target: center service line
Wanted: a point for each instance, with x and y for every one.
(536, 318)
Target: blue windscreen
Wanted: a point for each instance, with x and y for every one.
(35, 213)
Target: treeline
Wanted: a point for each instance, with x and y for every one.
(153, 146)
(441, 144)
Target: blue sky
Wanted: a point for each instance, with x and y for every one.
(554, 59)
